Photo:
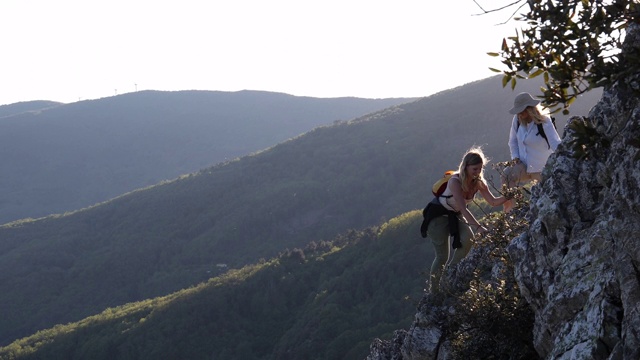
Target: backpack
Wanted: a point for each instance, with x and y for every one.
(541, 130)
(438, 188)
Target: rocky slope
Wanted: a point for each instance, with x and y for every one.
(577, 262)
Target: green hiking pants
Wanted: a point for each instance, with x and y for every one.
(439, 235)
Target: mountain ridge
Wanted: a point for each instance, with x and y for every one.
(69, 156)
(26, 106)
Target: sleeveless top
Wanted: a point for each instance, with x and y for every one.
(446, 199)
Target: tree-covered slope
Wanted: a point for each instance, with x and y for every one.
(66, 157)
(324, 302)
(158, 240)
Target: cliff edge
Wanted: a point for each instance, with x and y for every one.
(567, 287)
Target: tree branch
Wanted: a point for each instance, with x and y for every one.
(500, 8)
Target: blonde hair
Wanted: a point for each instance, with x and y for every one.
(473, 156)
(535, 113)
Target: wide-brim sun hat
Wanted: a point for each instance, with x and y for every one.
(522, 101)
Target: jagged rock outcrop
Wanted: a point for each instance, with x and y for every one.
(577, 264)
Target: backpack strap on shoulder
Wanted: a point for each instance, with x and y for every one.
(544, 136)
(542, 133)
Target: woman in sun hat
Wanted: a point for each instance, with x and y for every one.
(529, 148)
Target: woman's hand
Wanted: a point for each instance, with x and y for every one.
(481, 230)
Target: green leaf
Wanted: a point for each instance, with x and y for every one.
(536, 73)
(505, 80)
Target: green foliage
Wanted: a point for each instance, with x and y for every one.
(494, 323)
(574, 44)
(326, 301)
(396, 227)
(490, 319)
(586, 141)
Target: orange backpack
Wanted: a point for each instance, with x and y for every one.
(440, 185)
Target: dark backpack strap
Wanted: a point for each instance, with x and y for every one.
(544, 136)
(541, 130)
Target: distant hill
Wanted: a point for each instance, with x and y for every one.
(59, 158)
(26, 106)
(158, 240)
(327, 301)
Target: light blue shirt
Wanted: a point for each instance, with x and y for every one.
(531, 148)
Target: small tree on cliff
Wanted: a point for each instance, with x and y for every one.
(574, 44)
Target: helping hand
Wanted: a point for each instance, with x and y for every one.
(481, 230)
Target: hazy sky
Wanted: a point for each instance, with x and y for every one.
(70, 50)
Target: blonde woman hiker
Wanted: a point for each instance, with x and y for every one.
(448, 214)
(532, 138)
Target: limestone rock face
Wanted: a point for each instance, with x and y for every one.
(579, 263)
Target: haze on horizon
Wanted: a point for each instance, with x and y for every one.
(72, 50)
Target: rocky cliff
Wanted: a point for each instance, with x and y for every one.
(578, 265)
(575, 264)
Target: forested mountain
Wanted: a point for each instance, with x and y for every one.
(59, 158)
(171, 236)
(326, 301)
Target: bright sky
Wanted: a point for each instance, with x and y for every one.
(70, 50)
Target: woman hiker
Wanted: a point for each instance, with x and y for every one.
(532, 138)
(448, 214)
